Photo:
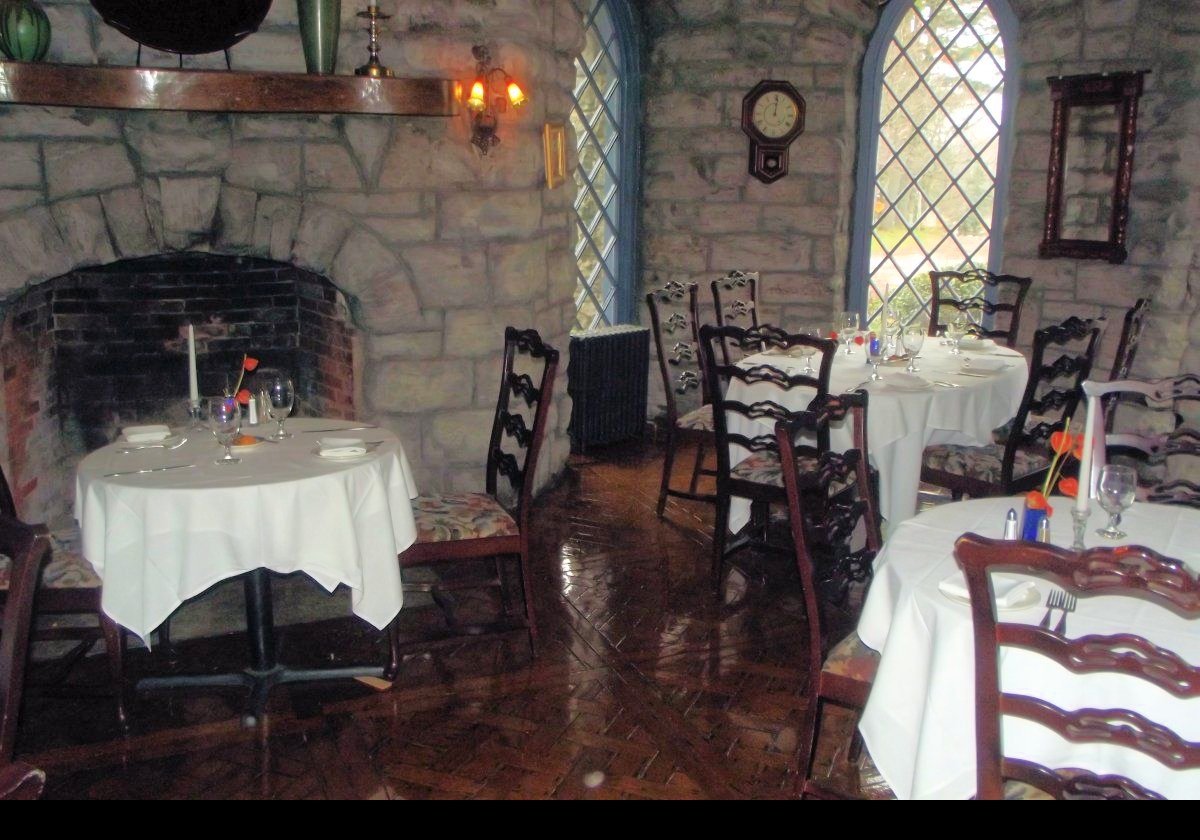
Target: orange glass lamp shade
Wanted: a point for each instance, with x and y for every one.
(516, 96)
(477, 101)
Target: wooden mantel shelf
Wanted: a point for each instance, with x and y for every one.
(144, 88)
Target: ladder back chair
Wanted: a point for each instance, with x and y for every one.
(673, 319)
(20, 781)
(465, 528)
(24, 550)
(749, 426)
(1051, 396)
(1127, 347)
(1124, 572)
(735, 303)
(70, 586)
(980, 295)
(834, 521)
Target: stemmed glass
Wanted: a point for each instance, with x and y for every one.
(806, 351)
(848, 329)
(280, 396)
(955, 330)
(225, 421)
(913, 338)
(875, 355)
(1116, 490)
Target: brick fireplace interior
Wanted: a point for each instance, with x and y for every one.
(103, 347)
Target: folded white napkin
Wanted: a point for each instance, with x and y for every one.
(975, 343)
(146, 434)
(907, 381)
(1010, 591)
(332, 447)
(985, 365)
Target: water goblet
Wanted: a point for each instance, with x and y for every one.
(955, 330)
(1116, 489)
(280, 398)
(225, 422)
(848, 329)
(875, 355)
(913, 339)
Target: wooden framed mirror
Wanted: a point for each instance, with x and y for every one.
(1091, 165)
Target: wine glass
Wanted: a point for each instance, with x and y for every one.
(913, 338)
(848, 329)
(280, 396)
(1116, 490)
(875, 355)
(225, 421)
(955, 330)
(806, 351)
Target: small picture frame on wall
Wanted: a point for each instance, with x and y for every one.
(554, 144)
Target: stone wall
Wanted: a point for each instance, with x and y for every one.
(436, 248)
(704, 215)
(1087, 36)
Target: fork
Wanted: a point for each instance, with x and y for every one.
(1068, 606)
(1054, 601)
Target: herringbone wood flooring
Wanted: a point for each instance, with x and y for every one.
(646, 685)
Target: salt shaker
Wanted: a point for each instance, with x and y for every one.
(1043, 535)
(253, 406)
(1010, 525)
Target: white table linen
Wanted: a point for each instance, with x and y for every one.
(158, 539)
(900, 424)
(919, 722)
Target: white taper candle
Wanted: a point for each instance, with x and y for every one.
(193, 384)
(1084, 494)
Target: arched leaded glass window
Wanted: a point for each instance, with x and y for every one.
(935, 127)
(604, 117)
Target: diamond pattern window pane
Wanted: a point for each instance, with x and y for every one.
(597, 117)
(939, 126)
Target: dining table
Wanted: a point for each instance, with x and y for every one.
(163, 522)
(919, 724)
(952, 399)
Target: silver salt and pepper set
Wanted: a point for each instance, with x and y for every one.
(1012, 528)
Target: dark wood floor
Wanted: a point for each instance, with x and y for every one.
(645, 686)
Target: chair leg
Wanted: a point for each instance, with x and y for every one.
(720, 532)
(808, 742)
(530, 615)
(114, 644)
(668, 463)
(393, 666)
(693, 488)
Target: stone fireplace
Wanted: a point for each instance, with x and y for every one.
(401, 252)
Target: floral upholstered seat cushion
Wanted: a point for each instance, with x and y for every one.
(461, 516)
(66, 570)
(699, 420)
(764, 468)
(982, 462)
(851, 658)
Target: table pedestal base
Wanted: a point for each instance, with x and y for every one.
(266, 672)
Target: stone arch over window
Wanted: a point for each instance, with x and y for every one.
(604, 117)
(939, 90)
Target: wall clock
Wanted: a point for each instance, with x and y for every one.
(772, 117)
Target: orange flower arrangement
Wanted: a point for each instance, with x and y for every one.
(249, 363)
(1064, 445)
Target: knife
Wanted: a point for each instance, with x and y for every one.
(342, 429)
(151, 470)
(965, 373)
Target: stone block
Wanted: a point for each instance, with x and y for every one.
(679, 110)
(189, 206)
(329, 166)
(321, 233)
(36, 122)
(74, 168)
(82, 225)
(781, 252)
(384, 298)
(378, 204)
(125, 211)
(265, 167)
(20, 165)
(448, 275)
(71, 31)
(405, 345)
(404, 387)
(518, 271)
(33, 249)
(275, 222)
(474, 216)
(403, 230)
(460, 434)
(285, 127)
(368, 138)
(19, 199)
(159, 152)
(675, 252)
(235, 213)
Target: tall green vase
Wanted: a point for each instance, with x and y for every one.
(320, 25)
(24, 30)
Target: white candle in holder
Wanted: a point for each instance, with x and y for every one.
(193, 385)
(1083, 496)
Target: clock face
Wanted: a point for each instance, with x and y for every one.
(774, 114)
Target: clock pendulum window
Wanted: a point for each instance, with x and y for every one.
(772, 117)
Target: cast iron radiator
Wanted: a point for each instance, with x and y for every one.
(607, 383)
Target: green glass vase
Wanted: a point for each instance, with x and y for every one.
(320, 25)
(24, 30)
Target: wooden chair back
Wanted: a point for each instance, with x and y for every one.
(673, 321)
(981, 295)
(1124, 571)
(735, 302)
(27, 547)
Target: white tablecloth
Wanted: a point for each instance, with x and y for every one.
(919, 722)
(158, 539)
(899, 424)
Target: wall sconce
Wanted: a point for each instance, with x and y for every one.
(491, 93)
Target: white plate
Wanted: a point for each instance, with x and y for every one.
(975, 344)
(150, 445)
(155, 433)
(908, 387)
(334, 457)
(1030, 598)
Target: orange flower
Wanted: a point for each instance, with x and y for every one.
(858, 339)
(1077, 451)
(1036, 501)
(1068, 486)
(243, 396)
(249, 363)
(833, 335)
(1062, 442)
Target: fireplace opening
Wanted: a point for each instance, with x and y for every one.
(104, 347)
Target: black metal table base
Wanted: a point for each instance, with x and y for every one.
(266, 672)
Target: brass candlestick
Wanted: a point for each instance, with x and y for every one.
(373, 67)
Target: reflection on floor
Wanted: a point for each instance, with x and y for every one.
(645, 686)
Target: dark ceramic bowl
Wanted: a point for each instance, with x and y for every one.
(184, 26)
